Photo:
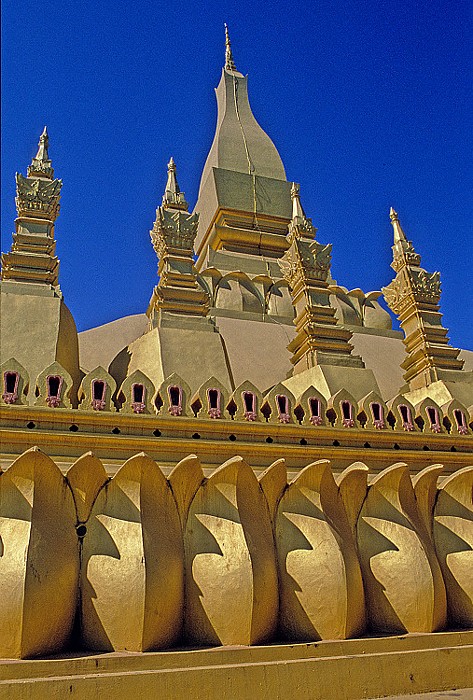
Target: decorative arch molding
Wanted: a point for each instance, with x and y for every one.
(375, 410)
(248, 400)
(15, 383)
(429, 415)
(312, 405)
(136, 394)
(235, 291)
(174, 394)
(456, 414)
(342, 406)
(210, 400)
(280, 402)
(54, 386)
(96, 391)
(403, 413)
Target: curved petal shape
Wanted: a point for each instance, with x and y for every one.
(320, 577)
(453, 537)
(39, 566)
(231, 576)
(403, 583)
(86, 477)
(132, 563)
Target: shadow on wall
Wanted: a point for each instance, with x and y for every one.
(144, 562)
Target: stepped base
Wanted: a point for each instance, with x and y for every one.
(330, 670)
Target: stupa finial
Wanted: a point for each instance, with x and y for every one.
(41, 163)
(399, 234)
(173, 198)
(300, 226)
(229, 62)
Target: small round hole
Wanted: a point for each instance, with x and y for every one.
(81, 531)
(303, 441)
(116, 431)
(31, 425)
(157, 433)
(269, 439)
(396, 446)
(232, 438)
(73, 428)
(426, 448)
(335, 443)
(367, 444)
(453, 448)
(196, 436)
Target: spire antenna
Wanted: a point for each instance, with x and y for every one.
(229, 62)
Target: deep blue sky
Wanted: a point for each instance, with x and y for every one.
(368, 102)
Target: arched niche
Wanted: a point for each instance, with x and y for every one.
(247, 400)
(280, 402)
(96, 391)
(174, 394)
(403, 413)
(54, 387)
(455, 417)
(341, 409)
(210, 400)
(15, 383)
(429, 417)
(136, 394)
(311, 408)
(373, 408)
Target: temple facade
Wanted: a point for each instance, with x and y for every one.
(258, 458)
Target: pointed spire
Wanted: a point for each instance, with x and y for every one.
(173, 198)
(229, 62)
(32, 256)
(41, 163)
(300, 226)
(414, 296)
(403, 250)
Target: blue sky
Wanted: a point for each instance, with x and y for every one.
(368, 102)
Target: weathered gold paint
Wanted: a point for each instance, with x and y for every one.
(231, 577)
(403, 583)
(39, 558)
(320, 578)
(132, 563)
(453, 534)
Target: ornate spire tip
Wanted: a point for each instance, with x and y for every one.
(229, 62)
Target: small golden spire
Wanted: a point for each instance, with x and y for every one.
(229, 62)
(41, 163)
(399, 234)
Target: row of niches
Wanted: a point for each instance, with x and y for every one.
(137, 394)
(143, 561)
(261, 294)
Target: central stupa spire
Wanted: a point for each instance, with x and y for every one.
(229, 62)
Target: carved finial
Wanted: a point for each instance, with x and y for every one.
(399, 234)
(297, 210)
(300, 226)
(229, 62)
(173, 198)
(41, 163)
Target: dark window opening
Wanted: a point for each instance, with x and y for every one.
(433, 415)
(98, 390)
(346, 409)
(175, 395)
(138, 393)
(377, 411)
(405, 414)
(460, 421)
(214, 396)
(249, 401)
(54, 384)
(282, 402)
(299, 413)
(11, 379)
(314, 405)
